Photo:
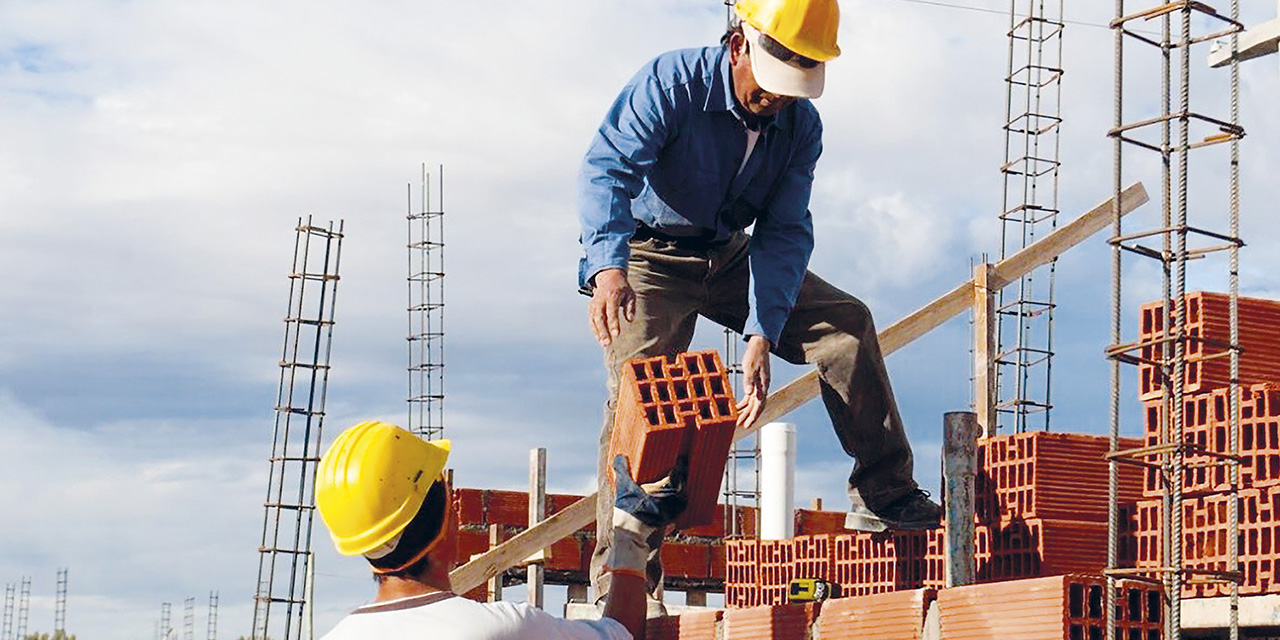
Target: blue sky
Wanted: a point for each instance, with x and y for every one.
(157, 155)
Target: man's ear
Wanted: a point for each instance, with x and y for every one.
(737, 46)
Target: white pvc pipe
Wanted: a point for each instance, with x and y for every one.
(777, 480)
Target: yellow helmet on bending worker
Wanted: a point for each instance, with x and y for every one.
(371, 483)
(806, 32)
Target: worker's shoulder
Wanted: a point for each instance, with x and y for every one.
(684, 67)
(462, 619)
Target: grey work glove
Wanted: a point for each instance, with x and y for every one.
(639, 511)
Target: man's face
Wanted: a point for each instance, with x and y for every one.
(755, 100)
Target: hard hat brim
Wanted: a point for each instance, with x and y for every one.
(782, 78)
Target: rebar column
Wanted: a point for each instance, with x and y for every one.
(426, 309)
(284, 555)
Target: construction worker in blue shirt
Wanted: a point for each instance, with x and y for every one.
(700, 145)
(381, 492)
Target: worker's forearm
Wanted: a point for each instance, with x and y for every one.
(626, 602)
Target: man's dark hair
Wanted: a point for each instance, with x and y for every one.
(735, 26)
(419, 533)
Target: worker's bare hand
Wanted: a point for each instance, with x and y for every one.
(755, 380)
(612, 301)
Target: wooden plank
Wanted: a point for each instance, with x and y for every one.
(805, 388)
(517, 549)
(954, 302)
(984, 349)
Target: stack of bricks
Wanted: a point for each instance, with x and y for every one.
(1206, 423)
(1041, 503)
(893, 616)
(669, 408)
(1208, 331)
(1051, 608)
(1041, 510)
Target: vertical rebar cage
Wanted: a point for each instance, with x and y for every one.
(426, 308)
(211, 628)
(60, 603)
(6, 629)
(1167, 130)
(285, 552)
(742, 471)
(1033, 105)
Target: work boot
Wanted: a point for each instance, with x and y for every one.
(912, 511)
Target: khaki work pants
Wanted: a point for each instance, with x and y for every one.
(827, 328)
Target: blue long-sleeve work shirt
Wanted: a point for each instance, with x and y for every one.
(668, 155)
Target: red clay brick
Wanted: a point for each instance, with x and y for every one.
(742, 573)
(686, 560)
(888, 616)
(669, 408)
(470, 506)
(1208, 320)
(1049, 475)
(810, 522)
(779, 622)
(509, 508)
(696, 625)
(1056, 607)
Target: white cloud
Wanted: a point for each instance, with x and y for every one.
(158, 154)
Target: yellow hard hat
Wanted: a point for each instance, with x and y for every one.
(372, 481)
(807, 27)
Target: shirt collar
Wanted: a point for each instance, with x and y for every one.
(720, 97)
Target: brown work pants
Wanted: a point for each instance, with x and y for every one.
(827, 328)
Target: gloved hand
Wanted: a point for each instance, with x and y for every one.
(639, 511)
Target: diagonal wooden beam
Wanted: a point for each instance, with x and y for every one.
(805, 388)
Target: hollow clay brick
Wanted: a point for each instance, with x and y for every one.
(889, 616)
(779, 622)
(469, 504)
(1050, 608)
(1208, 319)
(668, 408)
(686, 560)
(1049, 475)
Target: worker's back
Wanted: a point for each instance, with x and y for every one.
(445, 616)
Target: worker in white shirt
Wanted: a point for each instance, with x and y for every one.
(381, 492)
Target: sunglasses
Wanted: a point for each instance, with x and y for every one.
(775, 49)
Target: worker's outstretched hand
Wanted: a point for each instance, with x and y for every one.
(612, 300)
(755, 380)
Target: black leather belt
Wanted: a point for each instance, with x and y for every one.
(701, 242)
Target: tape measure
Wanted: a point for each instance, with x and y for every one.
(811, 590)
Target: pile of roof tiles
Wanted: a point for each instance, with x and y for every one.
(1206, 404)
(1041, 510)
